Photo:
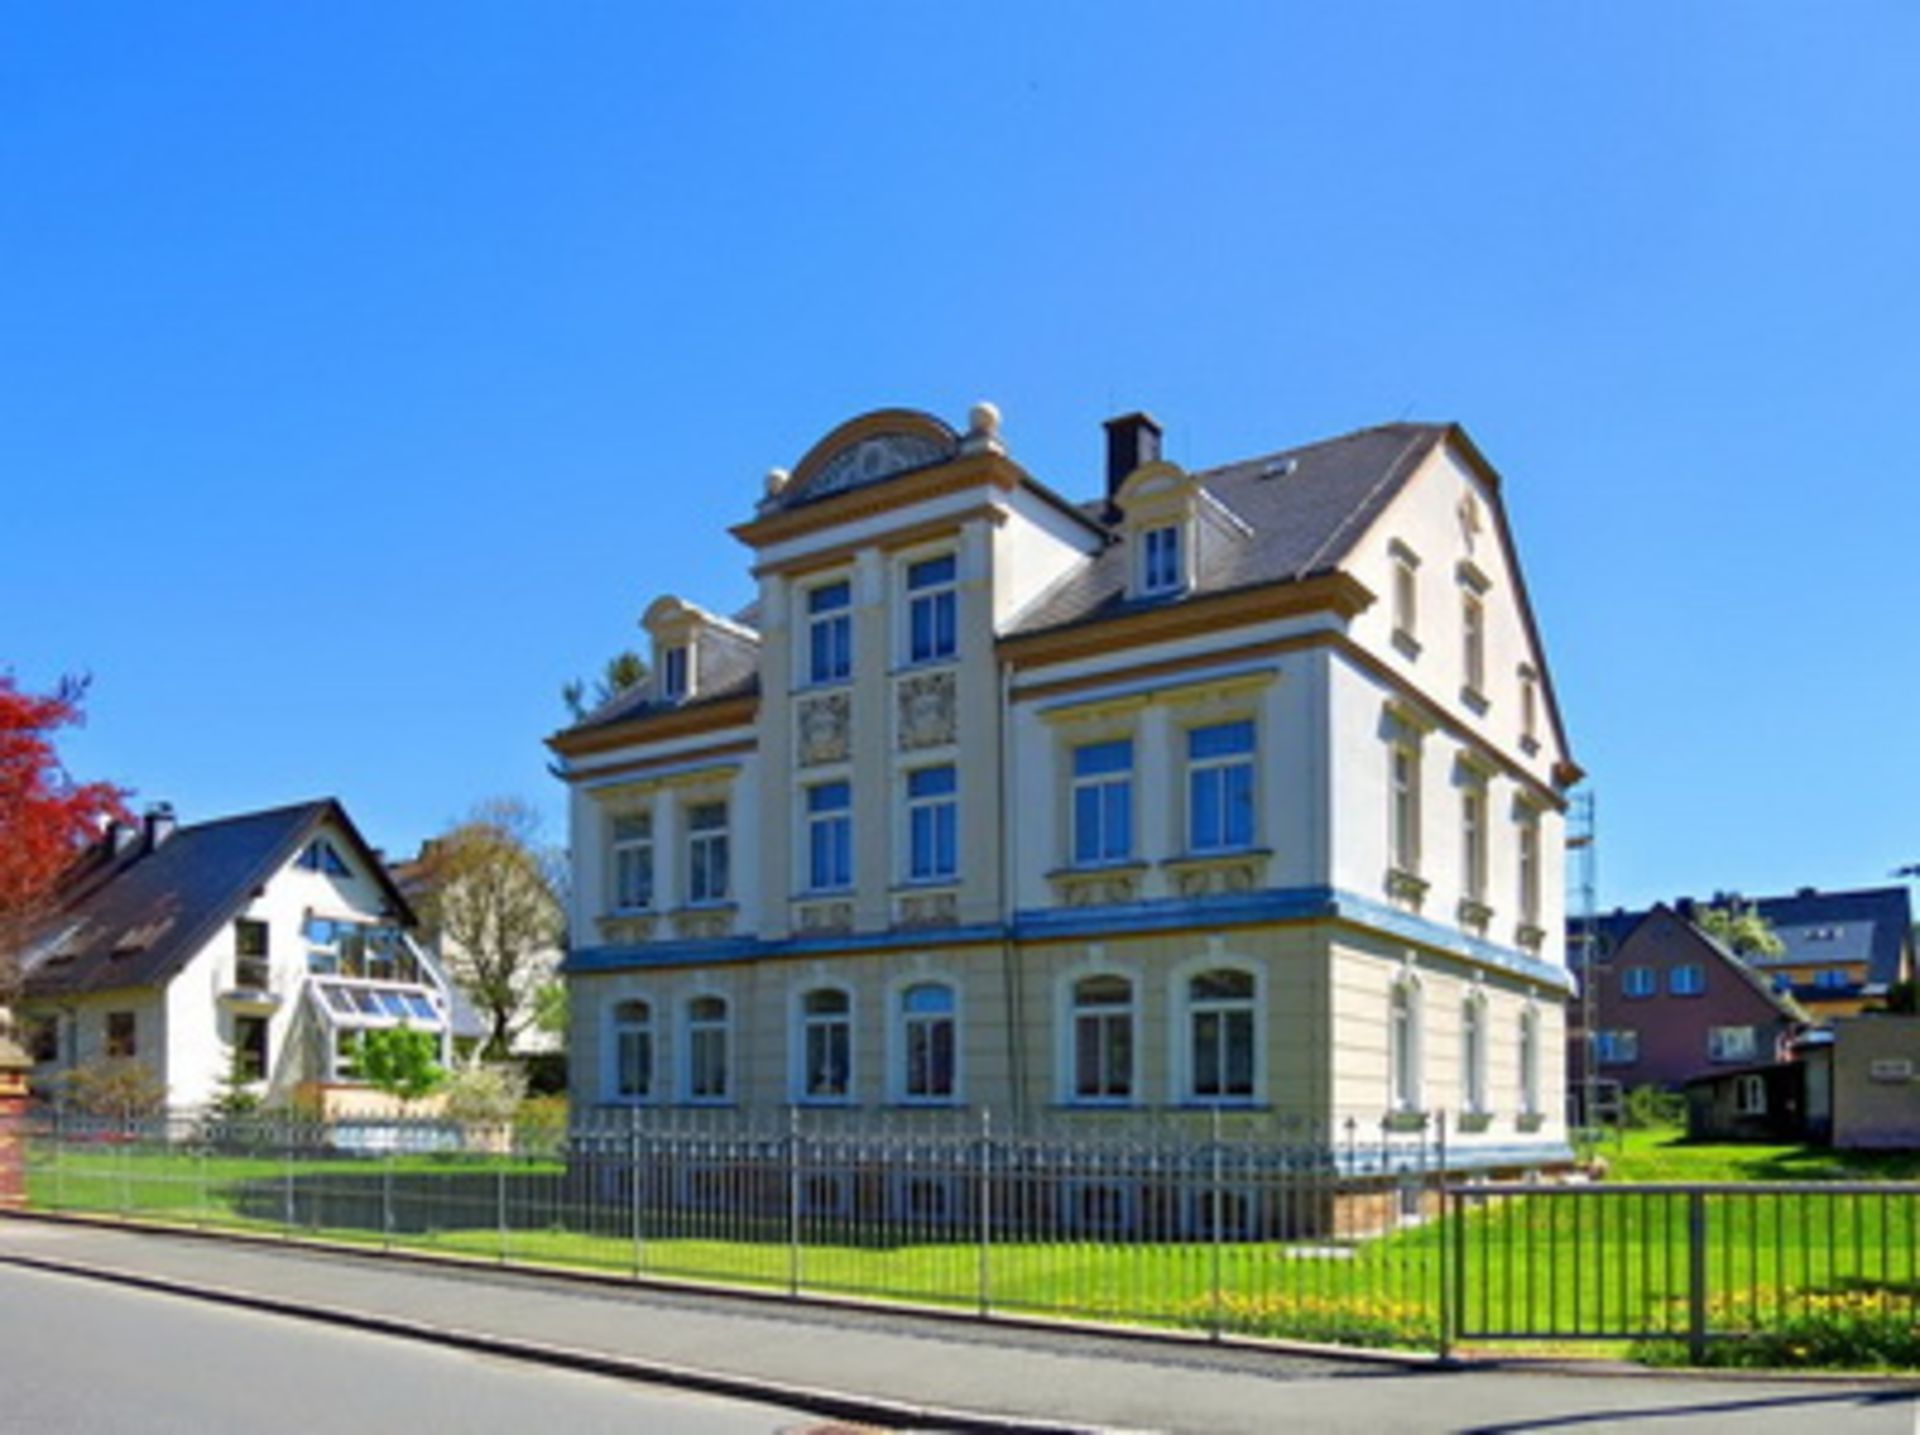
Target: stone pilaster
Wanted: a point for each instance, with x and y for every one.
(14, 1065)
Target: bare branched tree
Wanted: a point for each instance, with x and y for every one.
(488, 891)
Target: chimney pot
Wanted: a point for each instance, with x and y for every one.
(1132, 440)
(158, 822)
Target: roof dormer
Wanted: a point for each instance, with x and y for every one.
(691, 645)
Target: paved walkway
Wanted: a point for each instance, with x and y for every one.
(921, 1372)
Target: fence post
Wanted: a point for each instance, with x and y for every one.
(14, 1065)
(793, 1200)
(983, 1211)
(1697, 1276)
(500, 1201)
(386, 1195)
(127, 1136)
(286, 1186)
(633, 1187)
(1215, 1159)
(203, 1209)
(1447, 1287)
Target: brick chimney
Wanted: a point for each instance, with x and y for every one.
(1132, 439)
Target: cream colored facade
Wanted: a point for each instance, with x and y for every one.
(1320, 879)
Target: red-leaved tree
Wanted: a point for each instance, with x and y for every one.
(46, 818)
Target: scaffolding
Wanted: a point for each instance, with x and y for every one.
(1598, 1101)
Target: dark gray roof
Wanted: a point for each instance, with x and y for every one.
(1306, 508)
(641, 702)
(136, 918)
(1874, 925)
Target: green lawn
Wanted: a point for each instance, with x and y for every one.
(1665, 1154)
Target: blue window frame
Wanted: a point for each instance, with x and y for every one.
(1220, 787)
(830, 836)
(932, 609)
(1103, 802)
(830, 633)
(933, 824)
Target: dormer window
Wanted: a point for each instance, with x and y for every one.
(675, 669)
(1160, 565)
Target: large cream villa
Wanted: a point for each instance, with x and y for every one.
(1231, 788)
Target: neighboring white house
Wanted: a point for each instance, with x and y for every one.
(1239, 788)
(270, 939)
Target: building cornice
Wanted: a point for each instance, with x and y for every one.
(1338, 593)
(818, 559)
(686, 721)
(973, 470)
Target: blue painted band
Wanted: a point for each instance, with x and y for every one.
(1288, 904)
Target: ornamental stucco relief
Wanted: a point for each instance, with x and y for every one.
(873, 459)
(826, 728)
(927, 711)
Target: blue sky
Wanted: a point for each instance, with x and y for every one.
(365, 370)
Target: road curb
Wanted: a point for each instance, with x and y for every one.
(1143, 1335)
(833, 1404)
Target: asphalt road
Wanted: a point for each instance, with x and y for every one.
(83, 1355)
(84, 1358)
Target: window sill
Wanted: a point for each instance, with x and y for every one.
(1530, 746)
(1529, 936)
(1402, 1121)
(910, 666)
(1406, 642)
(705, 920)
(1407, 886)
(1218, 854)
(931, 905)
(1530, 1121)
(627, 926)
(823, 913)
(1475, 700)
(921, 886)
(1475, 915)
(1097, 886)
(1471, 1123)
(1227, 872)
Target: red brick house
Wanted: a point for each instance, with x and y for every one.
(1671, 1004)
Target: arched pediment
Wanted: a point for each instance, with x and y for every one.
(869, 449)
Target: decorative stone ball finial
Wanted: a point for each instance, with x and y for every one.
(776, 481)
(983, 428)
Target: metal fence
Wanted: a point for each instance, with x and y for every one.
(1693, 1263)
(1226, 1226)
(1215, 1225)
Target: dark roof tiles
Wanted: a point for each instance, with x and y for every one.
(1305, 509)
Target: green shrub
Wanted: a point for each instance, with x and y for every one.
(1648, 1108)
(1355, 1319)
(1864, 1328)
(484, 1093)
(116, 1087)
(540, 1125)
